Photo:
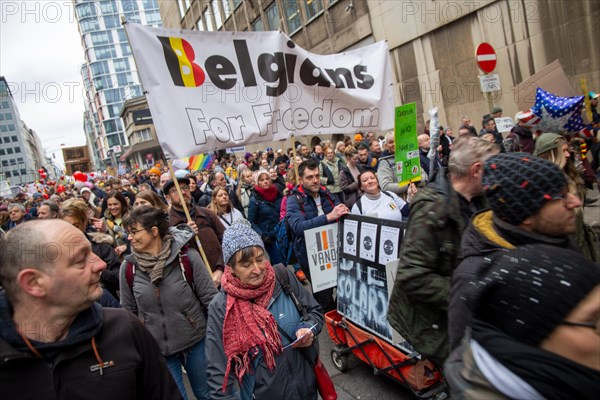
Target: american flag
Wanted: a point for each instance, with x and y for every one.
(558, 114)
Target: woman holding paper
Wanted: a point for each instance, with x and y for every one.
(377, 203)
(257, 343)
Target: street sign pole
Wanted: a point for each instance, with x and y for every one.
(485, 57)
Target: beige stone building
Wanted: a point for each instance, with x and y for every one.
(432, 42)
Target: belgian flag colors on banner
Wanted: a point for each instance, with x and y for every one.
(180, 56)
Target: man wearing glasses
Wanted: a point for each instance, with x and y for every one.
(204, 223)
(529, 204)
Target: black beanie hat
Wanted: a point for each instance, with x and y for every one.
(517, 185)
(528, 291)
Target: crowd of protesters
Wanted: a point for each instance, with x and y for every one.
(498, 194)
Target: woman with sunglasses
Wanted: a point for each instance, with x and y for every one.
(154, 287)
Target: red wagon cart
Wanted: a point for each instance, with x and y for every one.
(407, 368)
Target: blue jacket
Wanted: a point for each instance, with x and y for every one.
(305, 216)
(293, 378)
(264, 215)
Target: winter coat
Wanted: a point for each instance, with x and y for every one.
(523, 138)
(306, 216)
(386, 174)
(293, 378)
(210, 233)
(349, 187)
(139, 370)
(330, 174)
(465, 378)
(482, 239)
(429, 254)
(102, 246)
(170, 310)
(263, 214)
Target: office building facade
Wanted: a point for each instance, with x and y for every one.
(432, 43)
(21, 152)
(109, 74)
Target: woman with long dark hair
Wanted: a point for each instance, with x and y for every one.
(166, 284)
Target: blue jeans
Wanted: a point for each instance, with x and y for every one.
(194, 360)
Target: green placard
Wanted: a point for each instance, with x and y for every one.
(408, 166)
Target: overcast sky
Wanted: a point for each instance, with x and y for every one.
(40, 57)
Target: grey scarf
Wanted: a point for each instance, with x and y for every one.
(155, 265)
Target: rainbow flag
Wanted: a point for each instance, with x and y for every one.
(200, 161)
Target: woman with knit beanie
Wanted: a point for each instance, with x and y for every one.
(257, 343)
(263, 213)
(536, 329)
(165, 283)
(554, 148)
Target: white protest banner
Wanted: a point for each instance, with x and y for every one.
(321, 249)
(214, 90)
(504, 124)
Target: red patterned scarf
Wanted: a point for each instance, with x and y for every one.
(248, 325)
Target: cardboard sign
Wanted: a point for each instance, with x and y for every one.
(322, 252)
(408, 164)
(552, 78)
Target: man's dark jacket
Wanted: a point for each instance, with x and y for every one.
(139, 370)
(482, 240)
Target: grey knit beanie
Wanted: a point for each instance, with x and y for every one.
(238, 236)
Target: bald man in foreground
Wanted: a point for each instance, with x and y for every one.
(56, 342)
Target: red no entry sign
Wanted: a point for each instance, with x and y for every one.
(486, 57)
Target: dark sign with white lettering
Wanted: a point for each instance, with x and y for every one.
(366, 245)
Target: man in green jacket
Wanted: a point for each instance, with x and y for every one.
(431, 248)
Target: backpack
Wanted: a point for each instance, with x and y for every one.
(184, 263)
(359, 203)
(284, 236)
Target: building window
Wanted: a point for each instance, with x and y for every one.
(2, 152)
(183, 7)
(8, 116)
(17, 150)
(200, 24)
(226, 8)
(257, 25)
(236, 3)
(8, 174)
(6, 139)
(111, 22)
(313, 8)
(90, 25)
(5, 163)
(23, 171)
(122, 65)
(14, 138)
(100, 38)
(15, 173)
(153, 18)
(208, 20)
(9, 150)
(2, 128)
(144, 135)
(273, 17)
(5, 104)
(1, 117)
(292, 15)
(11, 127)
(217, 13)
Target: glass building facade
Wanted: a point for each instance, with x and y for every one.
(109, 73)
